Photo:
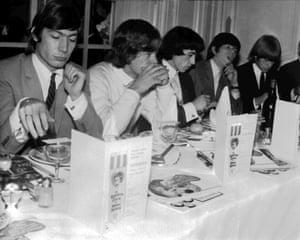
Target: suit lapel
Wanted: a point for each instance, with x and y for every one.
(254, 81)
(210, 80)
(32, 85)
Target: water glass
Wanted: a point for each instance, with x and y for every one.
(168, 131)
(5, 161)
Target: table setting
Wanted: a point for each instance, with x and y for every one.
(183, 191)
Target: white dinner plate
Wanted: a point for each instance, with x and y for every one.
(4, 220)
(39, 155)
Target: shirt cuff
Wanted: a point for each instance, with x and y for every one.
(294, 97)
(77, 108)
(16, 126)
(190, 111)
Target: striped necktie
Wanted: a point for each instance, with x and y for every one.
(51, 91)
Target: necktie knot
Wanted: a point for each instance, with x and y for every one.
(51, 91)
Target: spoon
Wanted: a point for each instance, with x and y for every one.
(159, 159)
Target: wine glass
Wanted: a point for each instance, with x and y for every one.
(58, 153)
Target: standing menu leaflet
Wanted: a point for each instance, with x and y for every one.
(109, 180)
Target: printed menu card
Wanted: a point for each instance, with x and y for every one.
(109, 180)
(234, 141)
(285, 130)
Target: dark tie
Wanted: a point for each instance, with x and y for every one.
(262, 82)
(51, 91)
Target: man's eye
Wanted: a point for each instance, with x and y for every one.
(55, 36)
(73, 39)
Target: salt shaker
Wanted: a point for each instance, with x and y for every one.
(45, 193)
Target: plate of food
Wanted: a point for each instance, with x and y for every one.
(39, 155)
(4, 220)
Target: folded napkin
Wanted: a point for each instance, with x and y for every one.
(17, 229)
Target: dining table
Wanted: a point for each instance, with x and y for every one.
(253, 206)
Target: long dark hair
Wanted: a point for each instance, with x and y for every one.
(56, 14)
(268, 47)
(221, 39)
(131, 37)
(178, 39)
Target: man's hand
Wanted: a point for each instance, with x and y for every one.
(296, 97)
(152, 75)
(235, 93)
(231, 74)
(74, 79)
(201, 103)
(259, 100)
(34, 117)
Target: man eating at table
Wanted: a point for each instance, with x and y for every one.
(40, 90)
(178, 52)
(123, 88)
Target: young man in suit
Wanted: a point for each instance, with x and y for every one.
(212, 75)
(40, 90)
(254, 77)
(177, 52)
(289, 80)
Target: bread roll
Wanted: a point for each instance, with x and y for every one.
(196, 128)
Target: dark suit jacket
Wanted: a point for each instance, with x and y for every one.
(289, 78)
(18, 79)
(203, 80)
(248, 85)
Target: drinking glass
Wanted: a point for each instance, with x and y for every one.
(5, 164)
(11, 196)
(5, 161)
(168, 131)
(57, 153)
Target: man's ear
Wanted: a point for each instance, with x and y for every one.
(213, 49)
(33, 34)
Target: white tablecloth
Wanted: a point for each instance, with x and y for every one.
(255, 207)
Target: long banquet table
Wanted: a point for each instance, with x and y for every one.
(256, 206)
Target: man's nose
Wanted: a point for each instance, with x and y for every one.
(153, 58)
(193, 60)
(63, 45)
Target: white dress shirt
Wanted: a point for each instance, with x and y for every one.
(216, 74)
(174, 83)
(115, 103)
(257, 73)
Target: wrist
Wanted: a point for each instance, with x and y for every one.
(135, 88)
(74, 97)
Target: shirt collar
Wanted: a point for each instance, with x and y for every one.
(43, 68)
(40, 65)
(172, 71)
(215, 69)
(257, 71)
(125, 79)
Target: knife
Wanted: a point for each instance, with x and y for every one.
(42, 169)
